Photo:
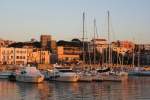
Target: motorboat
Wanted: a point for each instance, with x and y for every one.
(64, 74)
(85, 77)
(47, 73)
(85, 74)
(135, 71)
(5, 74)
(102, 70)
(107, 74)
(144, 73)
(139, 73)
(29, 74)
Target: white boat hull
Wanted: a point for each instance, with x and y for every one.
(67, 78)
(85, 78)
(139, 73)
(4, 75)
(144, 73)
(31, 79)
(114, 78)
(97, 78)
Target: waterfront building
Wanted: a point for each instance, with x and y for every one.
(142, 54)
(5, 43)
(120, 50)
(2, 43)
(144, 59)
(53, 45)
(68, 51)
(23, 56)
(147, 47)
(123, 46)
(6, 55)
(30, 55)
(53, 58)
(142, 47)
(8, 42)
(48, 44)
(45, 41)
(99, 44)
(20, 56)
(16, 56)
(41, 57)
(68, 54)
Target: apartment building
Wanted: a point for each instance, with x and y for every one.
(5, 43)
(99, 44)
(123, 46)
(23, 56)
(45, 41)
(16, 56)
(41, 57)
(68, 53)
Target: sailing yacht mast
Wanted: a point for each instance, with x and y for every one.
(109, 55)
(94, 46)
(139, 55)
(89, 55)
(83, 51)
(133, 55)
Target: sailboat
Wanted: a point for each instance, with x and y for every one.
(138, 71)
(134, 70)
(84, 76)
(121, 72)
(111, 76)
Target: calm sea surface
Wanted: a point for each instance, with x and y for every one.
(136, 88)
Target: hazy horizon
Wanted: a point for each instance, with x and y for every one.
(26, 19)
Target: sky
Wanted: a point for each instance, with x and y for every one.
(21, 20)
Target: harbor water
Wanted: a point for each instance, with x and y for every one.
(135, 88)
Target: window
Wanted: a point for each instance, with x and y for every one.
(11, 51)
(17, 57)
(11, 57)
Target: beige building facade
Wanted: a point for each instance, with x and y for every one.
(68, 53)
(99, 44)
(5, 43)
(45, 41)
(23, 56)
(41, 57)
(16, 56)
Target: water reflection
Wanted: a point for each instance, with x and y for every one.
(86, 91)
(8, 90)
(133, 89)
(30, 91)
